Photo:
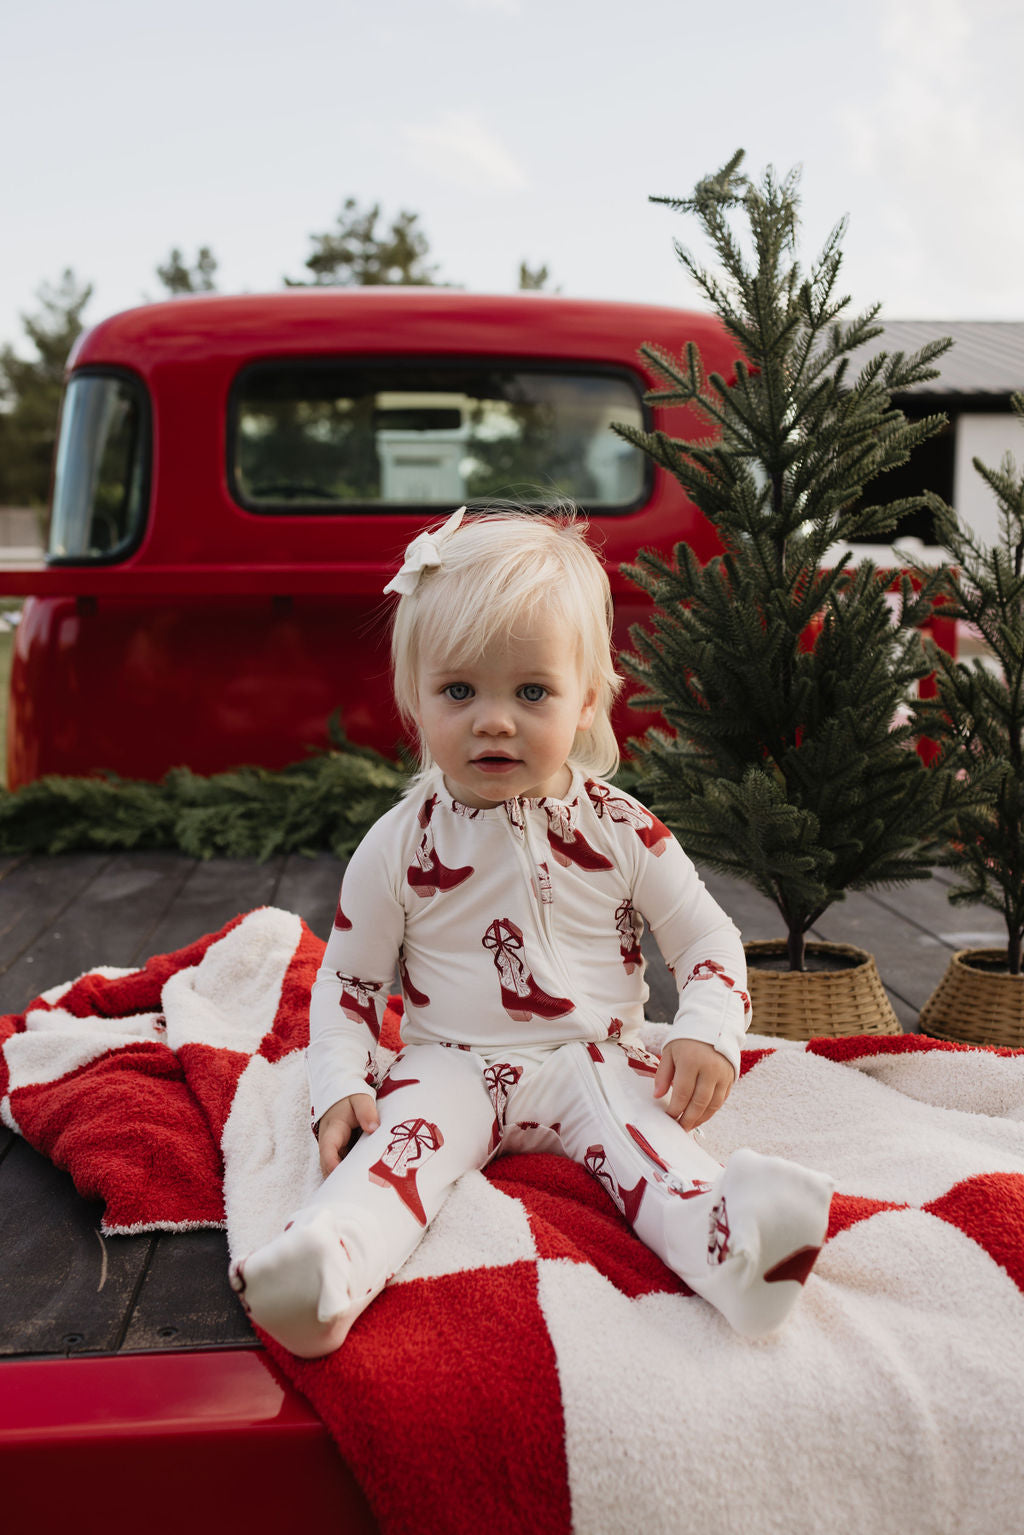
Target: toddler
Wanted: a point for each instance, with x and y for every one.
(510, 887)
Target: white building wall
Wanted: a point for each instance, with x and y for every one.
(988, 437)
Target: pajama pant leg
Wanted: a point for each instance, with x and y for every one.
(307, 1286)
(744, 1236)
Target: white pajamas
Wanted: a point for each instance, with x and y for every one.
(516, 932)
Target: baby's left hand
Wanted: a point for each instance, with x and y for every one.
(701, 1080)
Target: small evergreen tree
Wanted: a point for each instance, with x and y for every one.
(534, 279)
(178, 277)
(31, 388)
(787, 678)
(357, 254)
(980, 704)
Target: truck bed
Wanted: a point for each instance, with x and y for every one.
(65, 1290)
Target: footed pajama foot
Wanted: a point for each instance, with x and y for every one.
(767, 1224)
(298, 1287)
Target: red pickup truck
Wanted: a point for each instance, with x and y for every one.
(236, 478)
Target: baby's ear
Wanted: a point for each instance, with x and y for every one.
(589, 708)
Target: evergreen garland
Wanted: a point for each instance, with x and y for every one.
(787, 677)
(979, 712)
(328, 801)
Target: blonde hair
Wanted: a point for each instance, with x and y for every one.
(504, 564)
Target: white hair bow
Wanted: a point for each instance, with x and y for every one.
(424, 553)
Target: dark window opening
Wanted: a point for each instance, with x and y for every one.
(312, 436)
(100, 486)
(929, 467)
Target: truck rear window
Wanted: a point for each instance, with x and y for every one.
(100, 481)
(313, 437)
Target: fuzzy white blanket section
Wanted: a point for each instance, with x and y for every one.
(891, 1401)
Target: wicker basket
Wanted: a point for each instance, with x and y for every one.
(803, 1004)
(977, 1002)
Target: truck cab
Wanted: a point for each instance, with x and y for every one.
(237, 477)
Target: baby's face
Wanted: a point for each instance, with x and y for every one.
(502, 726)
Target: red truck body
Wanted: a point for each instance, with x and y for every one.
(211, 624)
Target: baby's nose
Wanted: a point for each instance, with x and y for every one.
(492, 717)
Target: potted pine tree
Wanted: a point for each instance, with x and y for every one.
(980, 723)
(785, 674)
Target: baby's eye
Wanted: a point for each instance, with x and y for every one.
(458, 692)
(533, 692)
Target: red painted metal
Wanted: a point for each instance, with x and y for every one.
(229, 636)
(172, 1442)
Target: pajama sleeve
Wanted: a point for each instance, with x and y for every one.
(351, 989)
(701, 946)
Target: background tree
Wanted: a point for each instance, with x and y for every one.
(178, 277)
(534, 279)
(979, 711)
(30, 391)
(357, 253)
(788, 682)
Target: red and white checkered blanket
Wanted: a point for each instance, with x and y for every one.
(534, 1367)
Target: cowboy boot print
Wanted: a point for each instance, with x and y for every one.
(358, 1001)
(567, 844)
(516, 817)
(416, 998)
(797, 1266)
(718, 1233)
(521, 997)
(412, 1143)
(596, 1163)
(499, 1080)
(629, 938)
(626, 1200)
(427, 875)
(710, 969)
(652, 832)
(639, 1059)
(391, 1083)
(631, 1200)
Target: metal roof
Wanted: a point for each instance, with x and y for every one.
(987, 356)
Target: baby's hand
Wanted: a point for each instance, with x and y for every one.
(701, 1080)
(359, 1112)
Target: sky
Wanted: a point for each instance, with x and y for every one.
(517, 130)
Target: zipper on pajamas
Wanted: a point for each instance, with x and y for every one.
(633, 1140)
(523, 842)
